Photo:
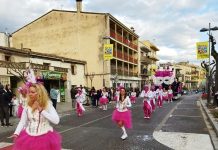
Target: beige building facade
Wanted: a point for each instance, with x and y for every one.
(49, 69)
(81, 35)
(148, 60)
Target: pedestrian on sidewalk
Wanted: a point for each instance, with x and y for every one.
(79, 102)
(9, 92)
(73, 92)
(4, 107)
(122, 115)
(54, 95)
(15, 103)
(34, 131)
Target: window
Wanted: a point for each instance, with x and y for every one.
(7, 58)
(73, 69)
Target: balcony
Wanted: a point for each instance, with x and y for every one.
(123, 40)
(120, 71)
(113, 70)
(145, 73)
(153, 58)
(146, 60)
(126, 73)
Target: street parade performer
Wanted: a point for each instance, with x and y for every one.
(122, 115)
(34, 131)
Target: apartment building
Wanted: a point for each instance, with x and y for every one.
(148, 60)
(81, 35)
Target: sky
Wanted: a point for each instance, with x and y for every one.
(172, 25)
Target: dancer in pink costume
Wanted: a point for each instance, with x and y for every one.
(79, 102)
(159, 96)
(117, 94)
(170, 94)
(147, 95)
(122, 115)
(104, 100)
(133, 96)
(34, 131)
(165, 95)
(152, 101)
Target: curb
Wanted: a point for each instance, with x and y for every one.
(211, 124)
(212, 120)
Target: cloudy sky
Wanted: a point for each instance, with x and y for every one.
(173, 25)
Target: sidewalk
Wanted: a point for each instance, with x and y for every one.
(212, 125)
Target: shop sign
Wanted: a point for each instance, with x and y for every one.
(51, 75)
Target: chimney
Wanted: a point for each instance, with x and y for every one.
(79, 5)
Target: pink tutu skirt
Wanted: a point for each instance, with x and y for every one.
(132, 98)
(170, 96)
(48, 141)
(19, 111)
(165, 98)
(103, 101)
(116, 98)
(125, 117)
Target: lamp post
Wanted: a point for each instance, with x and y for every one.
(209, 76)
(91, 76)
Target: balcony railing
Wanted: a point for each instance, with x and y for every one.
(146, 60)
(122, 39)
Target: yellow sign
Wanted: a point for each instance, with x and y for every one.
(108, 51)
(202, 50)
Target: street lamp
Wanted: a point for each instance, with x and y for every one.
(91, 76)
(208, 80)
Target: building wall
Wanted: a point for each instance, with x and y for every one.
(3, 39)
(68, 34)
(75, 79)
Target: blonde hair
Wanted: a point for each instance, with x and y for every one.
(42, 96)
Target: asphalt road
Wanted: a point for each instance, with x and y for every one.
(96, 131)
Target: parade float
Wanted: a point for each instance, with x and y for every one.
(165, 78)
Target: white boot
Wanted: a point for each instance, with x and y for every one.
(105, 107)
(124, 136)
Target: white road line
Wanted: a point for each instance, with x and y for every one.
(184, 141)
(85, 123)
(5, 144)
(183, 116)
(166, 117)
(187, 108)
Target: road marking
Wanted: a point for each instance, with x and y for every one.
(5, 144)
(187, 108)
(184, 141)
(85, 124)
(183, 116)
(166, 117)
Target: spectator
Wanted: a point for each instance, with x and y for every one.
(73, 92)
(4, 107)
(9, 92)
(54, 96)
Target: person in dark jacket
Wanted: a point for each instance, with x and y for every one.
(9, 92)
(4, 107)
(73, 92)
